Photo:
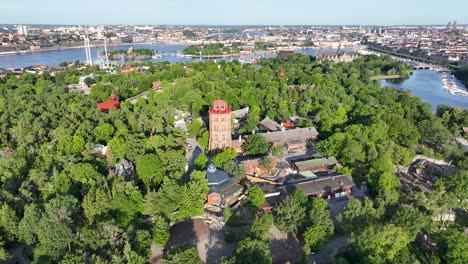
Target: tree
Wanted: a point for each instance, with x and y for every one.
(4, 256)
(161, 233)
(267, 163)
(315, 237)
(290, 215)
(180, 255)
(149, 170)
(227, 214)
(411, 220)
(358, 214)
(253, 251)
(456, 245)
(27, 227)
(260, 228)
(458, 184)
(256, 196)
(200, 162)
(194, 128)
(118, 149)
(252, 120)
(230, 167)
(8, 222)
(104, 132)
(126, 202)
(278, 151)
(256, 145)
(97, 202)
(226, 155)
(321, 226)
(380, 244)
(84, 173)
(54, 228)
(240, 173)
(204, 139)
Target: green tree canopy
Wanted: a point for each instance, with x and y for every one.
(256, 196)
(256, 145)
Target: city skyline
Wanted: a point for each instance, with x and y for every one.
(211, 12)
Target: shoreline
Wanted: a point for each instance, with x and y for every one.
(13, 53)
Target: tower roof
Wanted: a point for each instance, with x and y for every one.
(219, 107)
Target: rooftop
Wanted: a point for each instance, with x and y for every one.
(270, 124)
(322, 185)
(215, 176)
(219, 107)
(292, 134)
(316, 162)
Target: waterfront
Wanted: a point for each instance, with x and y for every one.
(423, 83)
(427, 85)
(55, 57)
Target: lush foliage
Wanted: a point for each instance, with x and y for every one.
(256, 145)
(61, 200)
(256, 196)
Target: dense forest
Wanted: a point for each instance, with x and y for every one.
(62, 203)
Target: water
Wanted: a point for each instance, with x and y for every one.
(427, 85)
(423, 83)
(54, 58)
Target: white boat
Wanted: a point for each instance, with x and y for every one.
(156, 55)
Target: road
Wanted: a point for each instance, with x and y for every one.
(193, 150)
(333, 248)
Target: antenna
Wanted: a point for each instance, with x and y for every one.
(105, 51)
(89, 59)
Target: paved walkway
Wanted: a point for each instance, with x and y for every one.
(462, 142)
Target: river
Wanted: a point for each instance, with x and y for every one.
(423, 83)
(55, 57)
(427, 85)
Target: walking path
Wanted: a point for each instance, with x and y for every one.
(333, 248)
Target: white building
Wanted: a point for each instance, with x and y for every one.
(22, 31)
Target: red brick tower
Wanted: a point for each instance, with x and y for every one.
(282, 73)
(220, 125)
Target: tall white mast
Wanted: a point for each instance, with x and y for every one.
(105, 52)
(89, 59)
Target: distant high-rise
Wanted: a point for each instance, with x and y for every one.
(220, 126)
(22, 31)
(449, 25)
(454, 25)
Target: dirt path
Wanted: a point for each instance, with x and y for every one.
(333, 248)
(435, 161)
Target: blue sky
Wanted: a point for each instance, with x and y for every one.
(244, 12)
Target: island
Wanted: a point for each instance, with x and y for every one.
(131, 54)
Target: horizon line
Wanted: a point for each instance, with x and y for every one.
(226, 25)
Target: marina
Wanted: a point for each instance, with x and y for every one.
(450, 85)
(429, 86)
(435, 85)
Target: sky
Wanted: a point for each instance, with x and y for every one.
(234, 12)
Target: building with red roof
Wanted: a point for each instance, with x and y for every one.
(282, 72)
(127, 69)
(112, 103)
(220, 125)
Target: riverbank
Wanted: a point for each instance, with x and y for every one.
(427, 85)
(385, 77)
(10, 53)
